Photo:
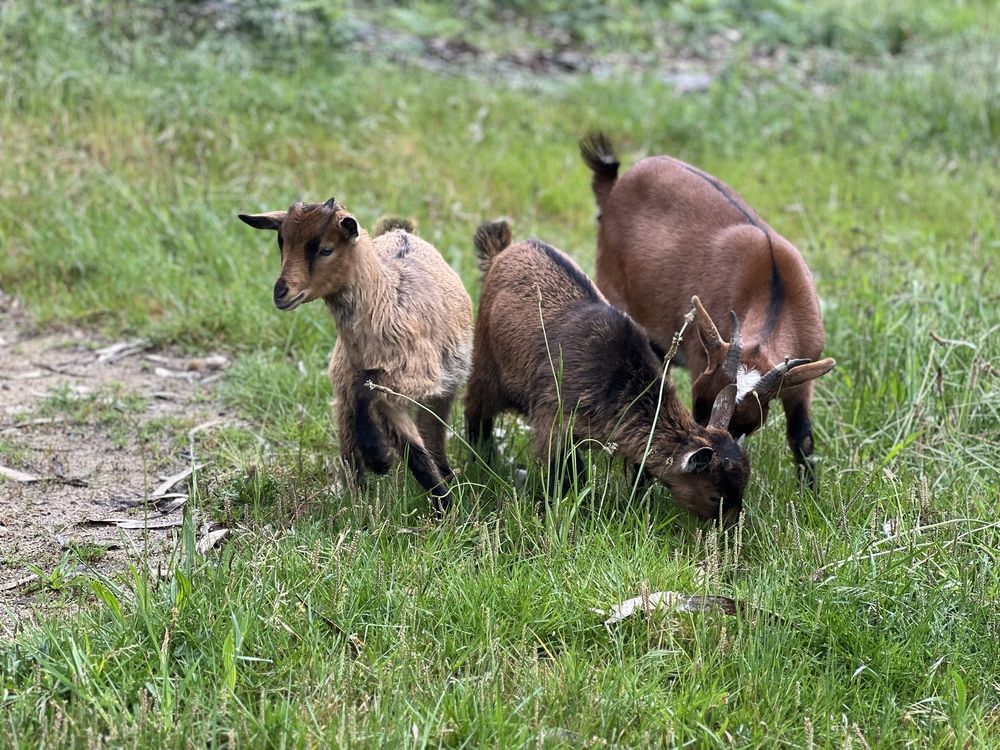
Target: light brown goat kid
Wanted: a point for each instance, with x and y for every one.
(404, 321)
(549, 345)
(668, 231)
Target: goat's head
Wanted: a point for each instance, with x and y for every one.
(756, 382)
(316, 242)
(710, 469)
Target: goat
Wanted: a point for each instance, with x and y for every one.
(548, 343)
(404, 322)
(668, 231)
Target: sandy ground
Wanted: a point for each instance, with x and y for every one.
(88, 433)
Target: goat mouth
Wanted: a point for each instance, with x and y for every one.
(292, 303)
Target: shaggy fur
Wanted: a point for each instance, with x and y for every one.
(669, 231)
(403, 321)
(548, 345)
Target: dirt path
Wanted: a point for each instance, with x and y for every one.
(88, 431)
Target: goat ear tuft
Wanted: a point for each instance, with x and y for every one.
(270, 220)
(349, 228)
(699, 460)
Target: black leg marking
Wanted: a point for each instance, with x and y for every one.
(368, 433)
(425, 472)
(480, 432)
(800, 440)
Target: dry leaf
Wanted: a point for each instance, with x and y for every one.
(207, 426)
(170, 502)
(122, 349)
(19, 582)
(151, 522)
(670, 601)
(26, 375)
(167, 484)
(163, 372)
(211, 539)
(18, 476)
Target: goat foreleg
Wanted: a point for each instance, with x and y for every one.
(404, 434)
(800, 437)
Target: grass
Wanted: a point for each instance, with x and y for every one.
(339, 620)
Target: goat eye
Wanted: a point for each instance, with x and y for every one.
(326, 251)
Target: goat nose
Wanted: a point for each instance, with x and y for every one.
(280, 290)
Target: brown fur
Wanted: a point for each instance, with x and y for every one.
(548, 345)
(403, 321)
(669, 231)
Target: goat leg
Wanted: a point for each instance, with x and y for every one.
(800, 441)
(433, 428)
(368, 433)
(482, 403)
(404, 433)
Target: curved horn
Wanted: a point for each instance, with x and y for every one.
(769, 385)
(723, 408)
(732, 363)
(707, 332)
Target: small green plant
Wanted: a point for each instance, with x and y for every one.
(61, 577)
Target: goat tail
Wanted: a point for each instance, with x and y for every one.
(389, 223)
(599, 155)
(491, 239)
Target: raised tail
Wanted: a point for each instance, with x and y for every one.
(490, 240)
(599, 155)
(389, 223)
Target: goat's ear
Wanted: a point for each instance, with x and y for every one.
(804, 373)
(698, 461)
(349, 228)
(269, 220)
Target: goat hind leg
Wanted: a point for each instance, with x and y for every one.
(482, 403)
(566, 467)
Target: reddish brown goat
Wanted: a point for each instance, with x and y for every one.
(668, 231)
(404, 322)
(548, 344)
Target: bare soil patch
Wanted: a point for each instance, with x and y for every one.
(89, 429)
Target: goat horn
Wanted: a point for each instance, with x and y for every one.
(723, 408)
(707, 331)
(768, 386)
(732, 363)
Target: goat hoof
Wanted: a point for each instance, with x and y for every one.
(441, 503)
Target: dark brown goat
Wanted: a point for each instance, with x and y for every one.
(669, 231)
(403, 322)
(548, 345)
